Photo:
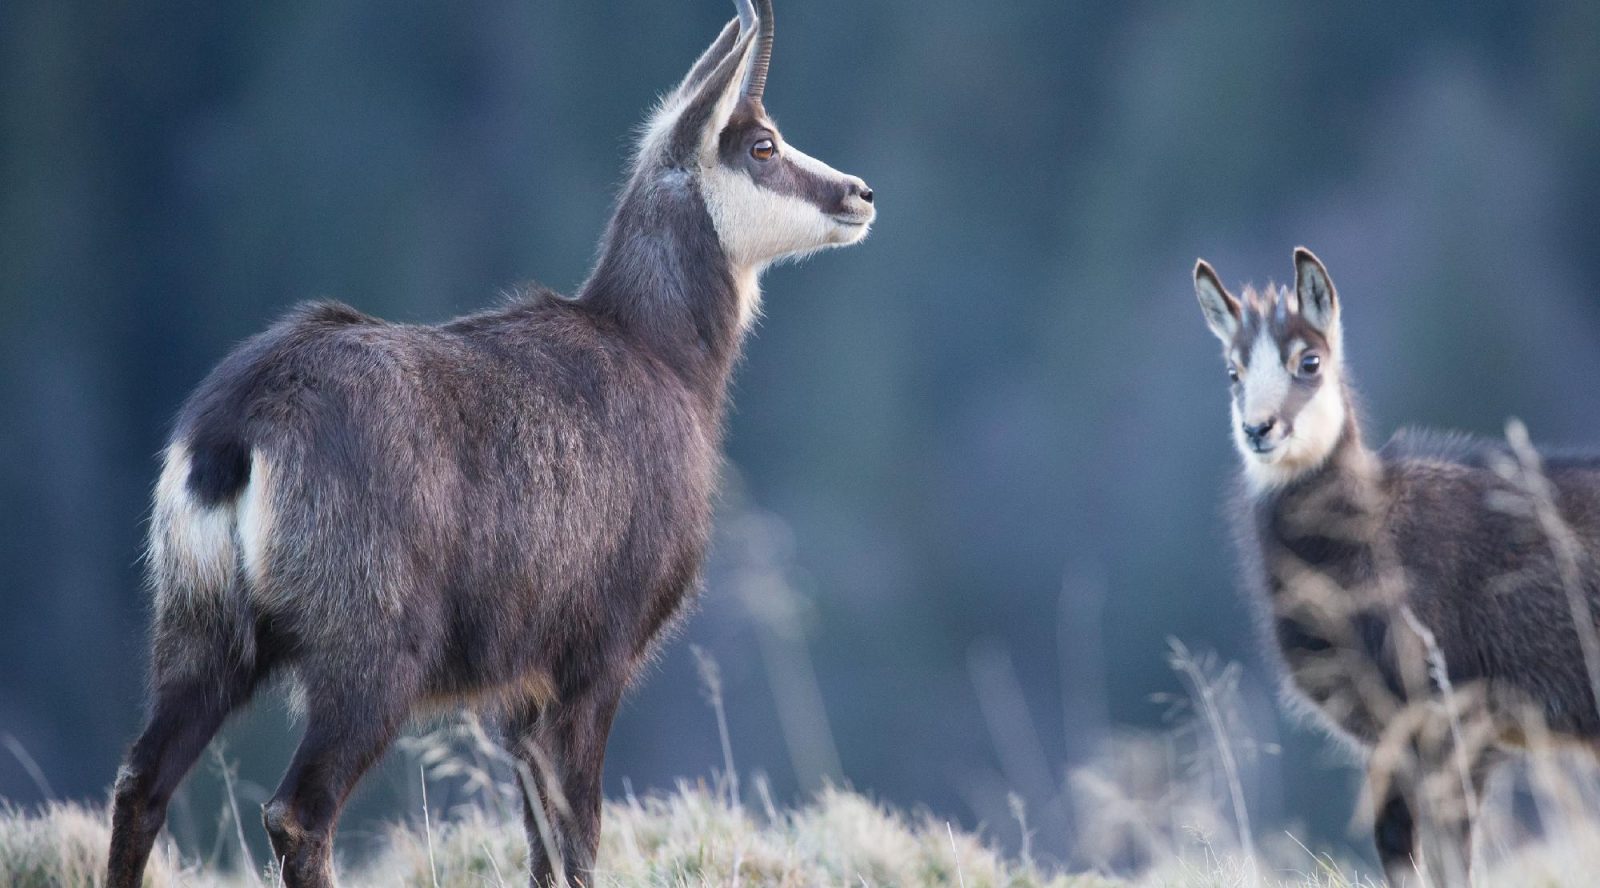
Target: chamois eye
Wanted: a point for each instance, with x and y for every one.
(1310, 365)
(764, 150)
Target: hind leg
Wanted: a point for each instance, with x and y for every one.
(571, 736)
(185, 715)
(349, 728)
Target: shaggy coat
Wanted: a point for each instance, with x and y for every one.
(503, 511)
(1430, 601)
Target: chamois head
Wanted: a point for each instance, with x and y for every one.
(711, 140)
(1284, 349)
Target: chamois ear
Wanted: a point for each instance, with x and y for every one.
(716, 52)
(1319, 304)
(708, 106)
(1220, 308)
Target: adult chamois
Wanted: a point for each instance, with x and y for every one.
(500, 512)
(1434, 601)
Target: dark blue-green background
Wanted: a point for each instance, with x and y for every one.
(994, 433)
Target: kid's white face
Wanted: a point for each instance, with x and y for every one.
(1283, 348)
(1304, 416)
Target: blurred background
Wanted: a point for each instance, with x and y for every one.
(977, 465)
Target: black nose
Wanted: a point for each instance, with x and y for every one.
(864, 193)
(1256, 432)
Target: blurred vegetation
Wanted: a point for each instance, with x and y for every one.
(979, 460)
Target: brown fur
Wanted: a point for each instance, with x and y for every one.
(1376, 568)
(504, 511)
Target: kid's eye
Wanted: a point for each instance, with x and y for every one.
(1233, 373)
(1310, 365)
(764, 150)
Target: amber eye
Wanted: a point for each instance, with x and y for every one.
(764, 150)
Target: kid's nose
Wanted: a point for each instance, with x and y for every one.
(1256, 432)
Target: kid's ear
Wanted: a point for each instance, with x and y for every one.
(1319, 303)
(1220, 308)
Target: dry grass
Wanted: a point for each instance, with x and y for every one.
(695, 837)
(1131, 804)
(64, 846)
(692, 837)
(1170, 802)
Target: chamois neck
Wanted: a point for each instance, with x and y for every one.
(665, 281)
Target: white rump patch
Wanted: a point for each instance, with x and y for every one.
(191, 546)
(195, 549)
(256, 519)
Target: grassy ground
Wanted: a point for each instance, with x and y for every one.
(693, 837)
(1539, 826)
(696, 837)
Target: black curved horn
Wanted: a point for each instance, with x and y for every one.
(755, 80)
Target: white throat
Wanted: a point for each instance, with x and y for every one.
(747, 290)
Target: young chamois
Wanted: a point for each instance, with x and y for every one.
(1434, 601)
(500, 512)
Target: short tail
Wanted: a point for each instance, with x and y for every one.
(203, 618)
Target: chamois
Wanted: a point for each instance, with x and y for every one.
(500, 512)
(1433, 601)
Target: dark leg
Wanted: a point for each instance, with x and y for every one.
(1423, 824)
(185, 716)
(1396, 834)
(571, 739)
(349, 728)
